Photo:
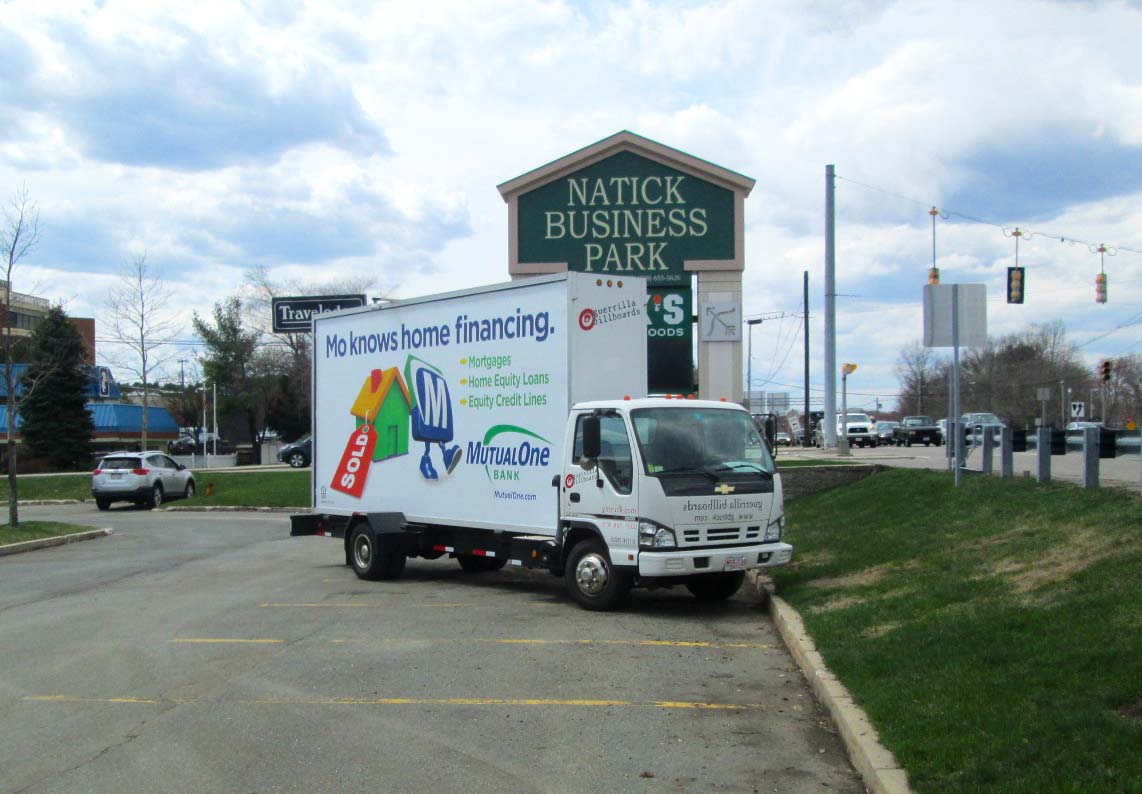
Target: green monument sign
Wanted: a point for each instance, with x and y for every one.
(630, 206)
(627, 214)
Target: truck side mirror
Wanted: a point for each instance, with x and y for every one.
(592, 440)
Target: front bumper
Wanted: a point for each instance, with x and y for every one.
(685, 562)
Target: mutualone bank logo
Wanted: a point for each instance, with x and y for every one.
(507, 450)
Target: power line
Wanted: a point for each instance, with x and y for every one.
(1027, 233)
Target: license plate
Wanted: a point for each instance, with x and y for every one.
(116, 475)
(736, 563)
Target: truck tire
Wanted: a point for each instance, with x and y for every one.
(591, 580)
(371, 557)
(715, 586)
(473, 564)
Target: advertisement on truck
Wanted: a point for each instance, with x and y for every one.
(458, 406)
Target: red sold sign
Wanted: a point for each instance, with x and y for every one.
(349, 478)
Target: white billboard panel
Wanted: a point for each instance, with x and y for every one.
(972, 303)
(453, 410)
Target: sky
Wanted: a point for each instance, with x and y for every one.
(325, 141)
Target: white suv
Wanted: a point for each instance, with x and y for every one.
(145, 478)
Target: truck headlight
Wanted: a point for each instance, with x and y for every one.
(773, 531)
(654, 536)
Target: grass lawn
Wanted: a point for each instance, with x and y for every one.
(993, 633)
(34, 530)
(275, 488)
(288, 488)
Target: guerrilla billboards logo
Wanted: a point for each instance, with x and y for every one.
(620, 310)
(388, 413)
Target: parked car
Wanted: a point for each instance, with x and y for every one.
(916, 430)
(783, 440)
(884, 430)
(298, 454)
(979, 422)
(183, 445)
(859, 429)
(145, 478)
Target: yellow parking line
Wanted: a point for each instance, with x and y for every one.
(355, 605)
(486, 641)
(222, 640)
(526, 641)
(404, 701)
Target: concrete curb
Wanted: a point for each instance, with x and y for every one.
(60, 540)
(232, 509)
(872, 760)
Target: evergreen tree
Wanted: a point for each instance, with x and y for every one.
(56, 423)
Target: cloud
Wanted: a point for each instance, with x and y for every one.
(170, 92)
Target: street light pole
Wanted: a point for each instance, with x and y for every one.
(749, 366)
(843, 438)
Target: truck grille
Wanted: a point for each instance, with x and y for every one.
(720, 535)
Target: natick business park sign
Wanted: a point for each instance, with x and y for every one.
(627, 214)
(627, 205)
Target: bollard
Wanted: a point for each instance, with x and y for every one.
(988, 449)
(961, 444)
(1006, 450)
(1090, 457)
(1043, 452)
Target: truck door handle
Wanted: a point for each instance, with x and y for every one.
(574, 497)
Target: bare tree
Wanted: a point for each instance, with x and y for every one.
(918, 369)
(140, 324)
(19, 233)
(282, 361)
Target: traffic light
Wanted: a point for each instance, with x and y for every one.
(1100, 288)
(1104, 370)
(1015, 285)
(933, 275)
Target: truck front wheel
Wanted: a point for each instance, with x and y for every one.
(592, 580)
(372, 558)
(715, 586)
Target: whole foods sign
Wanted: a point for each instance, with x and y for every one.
(627, 214)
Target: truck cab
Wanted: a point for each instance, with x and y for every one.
(678, 491)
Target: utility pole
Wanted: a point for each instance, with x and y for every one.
(830, 418)
(749, 367)
(182, 373)
(806, 429)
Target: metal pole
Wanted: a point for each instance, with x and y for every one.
(749, 369)
(214, 409)
(805, 299)
(1062, 403)
(959, 456)
(830, 419)
(843, 441)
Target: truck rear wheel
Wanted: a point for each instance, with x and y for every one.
(371, 557)
(592, 580)
(474, 564)
(715, 586)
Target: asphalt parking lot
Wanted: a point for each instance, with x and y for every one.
(211, 652)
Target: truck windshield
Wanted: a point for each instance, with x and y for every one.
(710, 440)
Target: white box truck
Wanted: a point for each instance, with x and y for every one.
(509, 425)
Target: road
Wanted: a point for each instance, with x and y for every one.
(212, 653)
(1124, 471)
